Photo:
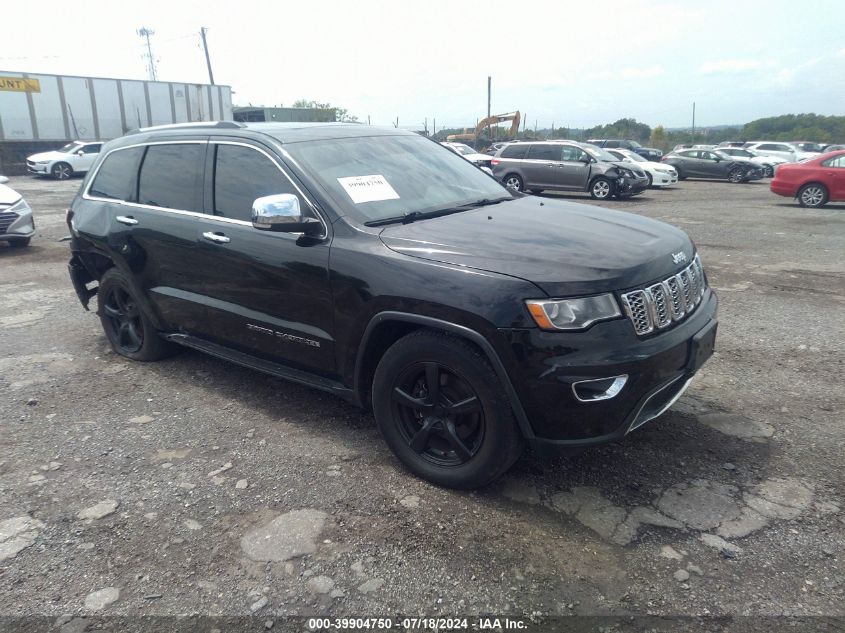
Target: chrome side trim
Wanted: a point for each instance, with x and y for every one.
(638, 423)
(607, 394)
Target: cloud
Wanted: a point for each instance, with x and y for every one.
(730, 66)
(840, 52)
(642, 73)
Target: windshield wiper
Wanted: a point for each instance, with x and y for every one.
(413, 216)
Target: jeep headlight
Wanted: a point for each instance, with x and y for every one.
(572, 314)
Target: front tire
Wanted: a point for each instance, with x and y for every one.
(61, 171)
(601, 189)
(650, 179)
(769, 171)
(443, 412)
(813, 195)
(736, 174)
(127, 328)
(513, 181)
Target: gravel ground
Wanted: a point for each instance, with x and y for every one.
(196, 487)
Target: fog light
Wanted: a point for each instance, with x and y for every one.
(598, 388)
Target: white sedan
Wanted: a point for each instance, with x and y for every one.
(16, 224)
(473, 156)
(73, 158)
(659, 174)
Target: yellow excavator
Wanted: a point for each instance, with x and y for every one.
(489, 121)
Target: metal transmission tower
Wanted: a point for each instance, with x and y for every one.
(145, 34)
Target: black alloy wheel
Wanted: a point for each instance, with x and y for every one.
(442, 410)
(124, 318)
(438, 413)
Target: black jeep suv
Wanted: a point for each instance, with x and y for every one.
(379, 266)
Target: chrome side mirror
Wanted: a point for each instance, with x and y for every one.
(281, 213)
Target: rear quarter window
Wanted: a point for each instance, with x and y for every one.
(514, 151)
(117, 177)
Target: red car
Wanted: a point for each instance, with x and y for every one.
(814, 182)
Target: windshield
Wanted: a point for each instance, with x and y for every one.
(634, 144)
(378, 177)
(70, 148)
(598, 153)
(633, 156)
(463, 150)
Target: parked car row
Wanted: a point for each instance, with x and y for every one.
(568, 166)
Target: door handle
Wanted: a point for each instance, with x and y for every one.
(128, 220)
(217, 238)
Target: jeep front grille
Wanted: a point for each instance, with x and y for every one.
(6, 219)
(664, 303)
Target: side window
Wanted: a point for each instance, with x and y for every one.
(768, 146)
(117, 177)
(517, 150)
(171, 176)
(689, 154)
(241, 175)
(544, 152)
(576, 153)
(94, 148)
(837, 161)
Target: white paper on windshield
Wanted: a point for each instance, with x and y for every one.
(368, 188)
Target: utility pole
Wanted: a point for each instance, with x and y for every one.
(693, 121)
(434, 127)
(553, 130)
(425, 126)
(145, 34)
(368, 120)
(489, 86)
(207, 58)
(397, 123)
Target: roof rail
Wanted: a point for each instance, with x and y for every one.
(218, 125)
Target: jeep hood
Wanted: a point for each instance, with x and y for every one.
(564, 248)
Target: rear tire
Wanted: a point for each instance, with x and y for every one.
(443, 412)
(127, 328)
(513, 181)
(813, 195)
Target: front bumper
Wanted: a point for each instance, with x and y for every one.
(545, 366)
(35, 168)
(661, 179)
(15, 225)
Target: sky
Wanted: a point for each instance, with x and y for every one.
(574, 64)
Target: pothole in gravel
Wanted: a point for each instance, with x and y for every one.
(287, 536)
(22, 371)
(16, 534)
(698, 505)
(24, 304)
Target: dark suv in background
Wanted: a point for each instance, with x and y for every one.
(649, 153)
(378, 266)
(567, 166)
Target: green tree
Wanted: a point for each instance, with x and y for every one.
(658, 138)
(340, 114)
